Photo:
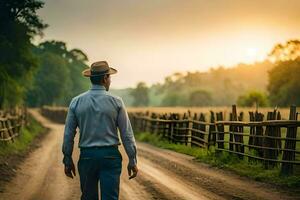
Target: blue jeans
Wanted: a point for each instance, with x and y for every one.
(102, 164)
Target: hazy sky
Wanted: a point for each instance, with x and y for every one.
(147, 40)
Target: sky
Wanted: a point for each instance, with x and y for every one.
(147, 40)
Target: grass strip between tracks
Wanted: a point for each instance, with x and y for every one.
(254, 170)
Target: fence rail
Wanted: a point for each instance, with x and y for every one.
(272, 141)
(11, 122)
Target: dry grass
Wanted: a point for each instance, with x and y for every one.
(284, 111)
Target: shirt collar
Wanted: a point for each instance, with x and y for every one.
(97, 87)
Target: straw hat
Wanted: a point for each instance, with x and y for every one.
(98, 68)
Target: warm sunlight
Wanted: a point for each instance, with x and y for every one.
(142, 38)
(149, 99)
(252, 54)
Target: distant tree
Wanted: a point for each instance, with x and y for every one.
(172, 83)
(19, 23)
(174, 99)
(224, 84)
(253, 98)
(140, 95)
(50, 82)
(285, 52)
(63, 62)
(284, 83)
(200, 98)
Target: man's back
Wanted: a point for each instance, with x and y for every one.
(97, 115)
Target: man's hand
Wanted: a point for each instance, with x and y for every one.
(70, 170)
(132, 171)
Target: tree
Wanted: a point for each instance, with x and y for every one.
(50, 82)
(285, 52)
(19, 23)
(284, 80)
(140, 94)
(174, 99)
(200, 98)
(253, 98)
(63, 64)
(284, 83)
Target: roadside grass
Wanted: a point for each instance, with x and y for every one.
(22, 142)
(254, 170)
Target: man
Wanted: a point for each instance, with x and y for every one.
(99, 115)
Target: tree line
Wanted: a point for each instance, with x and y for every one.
(273, 82)
(30, 74)
(48, 73)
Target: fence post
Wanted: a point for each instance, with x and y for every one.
(212, 130)
(287, 168)
(202, 127)
(185, 128)
(255, 131)
(194, 126)
(153, 116)
(259, 131)
(220, 132)
(232, 128)
(270, 142)
(176, 125)
(189, 132)
(240, 138)
(252, 133)
(170, 127)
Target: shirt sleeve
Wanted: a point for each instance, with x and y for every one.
(127, 135)
(69, 134)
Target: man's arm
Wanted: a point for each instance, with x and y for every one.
(68, 142)
(128, 139)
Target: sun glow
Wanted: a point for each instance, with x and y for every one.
(252, 54)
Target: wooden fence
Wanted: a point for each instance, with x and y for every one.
(11, 122)
(56, 114)
(272, 141)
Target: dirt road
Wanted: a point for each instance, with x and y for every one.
(163, 175)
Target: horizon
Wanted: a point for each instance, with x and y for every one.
(149, 40)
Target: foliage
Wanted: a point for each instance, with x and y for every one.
(140, 95)
(284, 83)
(174, 99)
(19, 23)
(27, 134)
(225, 85)
(200, 98)
(186, 98)
(285, 52)
(284, 80)
(58, 77)
(50, 80)
(253, 98)
(125, 94)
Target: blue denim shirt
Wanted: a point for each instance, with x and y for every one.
(98, 115)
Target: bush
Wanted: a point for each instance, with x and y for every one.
(253, 98)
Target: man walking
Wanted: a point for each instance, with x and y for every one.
(99, 115)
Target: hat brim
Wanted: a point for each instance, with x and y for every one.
(87, 72)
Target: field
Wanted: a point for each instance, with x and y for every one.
(226, 110)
